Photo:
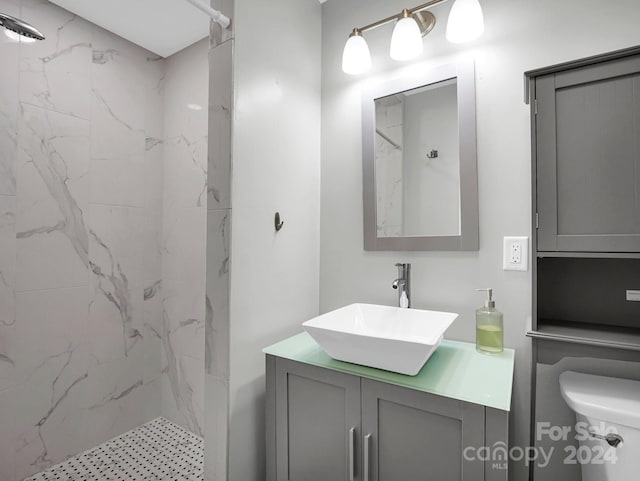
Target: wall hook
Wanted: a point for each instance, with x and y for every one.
(432, 155)
(277, 222)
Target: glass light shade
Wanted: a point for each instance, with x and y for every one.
(466, 21)
(406, 40)
(356, 58)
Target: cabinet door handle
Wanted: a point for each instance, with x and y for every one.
(352, 448)
(367, 462)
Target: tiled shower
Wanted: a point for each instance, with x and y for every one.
(103, 227)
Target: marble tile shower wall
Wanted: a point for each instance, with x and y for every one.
(91, 342)
(81, 206)
(219, 213)
(186, 85)
(389, 118)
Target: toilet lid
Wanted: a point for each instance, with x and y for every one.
(605, 398)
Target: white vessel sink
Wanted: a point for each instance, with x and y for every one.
(384, 337)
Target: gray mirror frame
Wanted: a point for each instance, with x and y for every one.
(468, 240)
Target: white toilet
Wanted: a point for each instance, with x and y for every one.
(611, 408)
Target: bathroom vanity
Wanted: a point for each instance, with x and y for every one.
(332, 420)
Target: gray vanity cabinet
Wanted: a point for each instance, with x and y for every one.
(414, 435)
(318, 419)
(587, 150)
(324, 425)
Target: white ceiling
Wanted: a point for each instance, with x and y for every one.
(161, 26)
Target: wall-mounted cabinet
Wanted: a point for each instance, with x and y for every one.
(586, 180)
(585, 118)
(587, 145)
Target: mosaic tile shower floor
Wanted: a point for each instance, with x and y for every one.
(156, 451)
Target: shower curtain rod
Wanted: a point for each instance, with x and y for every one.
(217, 16)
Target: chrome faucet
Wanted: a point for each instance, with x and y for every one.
(403, 282)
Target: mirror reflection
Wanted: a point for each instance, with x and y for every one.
(417, 162)
(420, 183)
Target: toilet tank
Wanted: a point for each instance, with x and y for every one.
(610, 407)
(605, 398)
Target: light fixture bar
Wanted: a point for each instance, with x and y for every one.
(392, 18)
(465, 23)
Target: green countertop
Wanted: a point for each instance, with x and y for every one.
(456, 370)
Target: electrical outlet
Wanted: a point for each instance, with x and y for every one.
(515, 255)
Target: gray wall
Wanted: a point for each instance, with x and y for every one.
(276, 167)
(520, 35)
(432, 186)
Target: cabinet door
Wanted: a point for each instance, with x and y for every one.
(588, 158)
(317, 423)
(410, 435)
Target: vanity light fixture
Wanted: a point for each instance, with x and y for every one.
(465, 23)
(356, 58)
(406, 39)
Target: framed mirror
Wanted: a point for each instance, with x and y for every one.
(419, 158)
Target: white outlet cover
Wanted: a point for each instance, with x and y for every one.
(507, 263)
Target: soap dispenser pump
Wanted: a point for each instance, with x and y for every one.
(489, 326)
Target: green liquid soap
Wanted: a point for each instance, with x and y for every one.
(489, 326)
(489, 338)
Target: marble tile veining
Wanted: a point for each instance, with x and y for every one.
(114, 400)
(103, 214)
(55, 73)
(52, 198)
(389, 161)
(219, 218)
(116, 255)
(217, 315)
(220, 106)
(152, 333)
(7, 263)
(183, 386)
(184, 206)
(49, 349)
(156, 451)
(186, 128)
(118, 136)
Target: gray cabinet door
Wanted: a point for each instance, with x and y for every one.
(415, 436)
(588, 158)
(317, 423)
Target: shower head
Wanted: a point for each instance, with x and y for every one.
(18, 26)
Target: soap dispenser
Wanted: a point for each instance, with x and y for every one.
(489, 326)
